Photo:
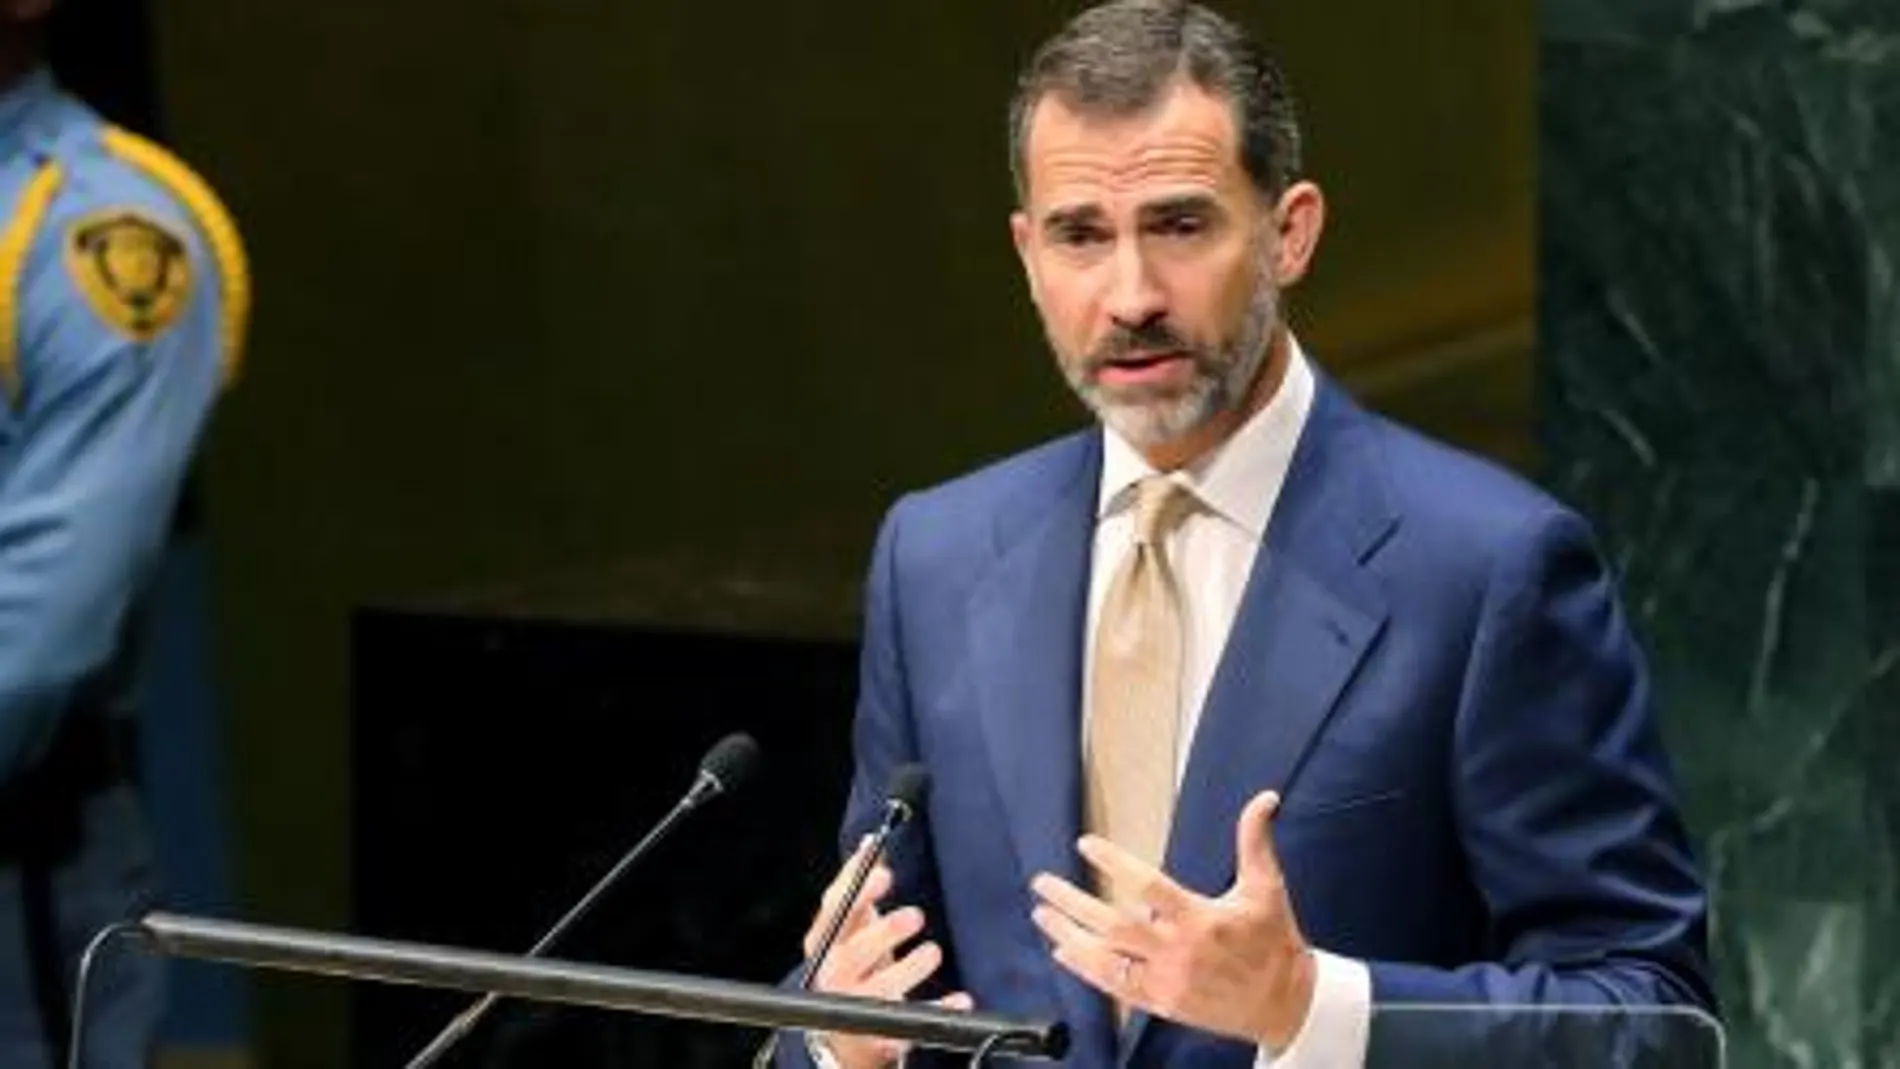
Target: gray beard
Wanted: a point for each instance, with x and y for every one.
(1221, 382)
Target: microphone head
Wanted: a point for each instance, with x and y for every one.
(730, 762)
(910, 785)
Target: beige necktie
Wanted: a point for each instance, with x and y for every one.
(1135, 689)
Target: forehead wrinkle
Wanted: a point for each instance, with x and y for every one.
(1178, 164)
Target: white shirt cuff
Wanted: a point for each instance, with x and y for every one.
(820, 1051)
(821, 1055)
(1333, 1036)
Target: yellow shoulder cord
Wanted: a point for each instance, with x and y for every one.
(16, 241)
(220, 232)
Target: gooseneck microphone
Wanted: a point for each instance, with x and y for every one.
(910, 784)
(728, 764)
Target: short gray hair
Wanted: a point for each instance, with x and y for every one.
(1118, 59)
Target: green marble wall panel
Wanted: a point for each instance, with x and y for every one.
(1719, 389)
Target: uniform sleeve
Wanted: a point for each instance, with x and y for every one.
(118, 368)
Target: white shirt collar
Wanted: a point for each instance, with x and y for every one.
(1240, 479)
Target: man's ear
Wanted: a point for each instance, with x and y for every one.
(1301, 217)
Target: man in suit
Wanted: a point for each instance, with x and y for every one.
(1247, 710)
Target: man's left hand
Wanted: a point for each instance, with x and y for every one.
(1236, 965)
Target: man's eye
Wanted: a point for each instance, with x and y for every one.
(1079, 235)
(1182, 226)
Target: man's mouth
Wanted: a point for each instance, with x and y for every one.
(1153, 367)
(1139, 360)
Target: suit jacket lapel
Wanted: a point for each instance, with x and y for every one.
(1306, 620)
(1026, 623)
(1294, 645)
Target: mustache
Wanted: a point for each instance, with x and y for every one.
(1150, 337)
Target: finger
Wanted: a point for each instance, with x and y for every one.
(959, 1001)
(828, 900)
(1122, 930)
(1066, 937)
(862, 913)
(1115, 975)
(873, 945)
(1256, 863)
(868, 949)
(1155, 889)
(863, 908)
(834, 891)
(895, 981)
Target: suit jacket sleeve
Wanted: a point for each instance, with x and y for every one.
(883, 741)
(1564, 800)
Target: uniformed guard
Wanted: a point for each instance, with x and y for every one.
(123, 300)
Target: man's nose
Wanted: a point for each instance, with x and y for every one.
(1135, 297)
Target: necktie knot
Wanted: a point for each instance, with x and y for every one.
(1160, 503)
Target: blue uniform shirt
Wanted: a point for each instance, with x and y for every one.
(114, 358)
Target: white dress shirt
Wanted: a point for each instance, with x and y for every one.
(1211, 552)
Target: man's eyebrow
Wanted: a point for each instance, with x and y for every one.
(1183, 204)
(1075, 215)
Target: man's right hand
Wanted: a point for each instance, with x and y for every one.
(863, 962)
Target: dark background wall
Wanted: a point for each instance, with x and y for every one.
(557, 290)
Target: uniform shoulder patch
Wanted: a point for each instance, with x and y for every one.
(134, 270)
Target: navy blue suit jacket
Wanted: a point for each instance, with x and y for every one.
(1429, 662)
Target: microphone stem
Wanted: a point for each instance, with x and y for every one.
(704, 788)
(580, 909)
(893, 816)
